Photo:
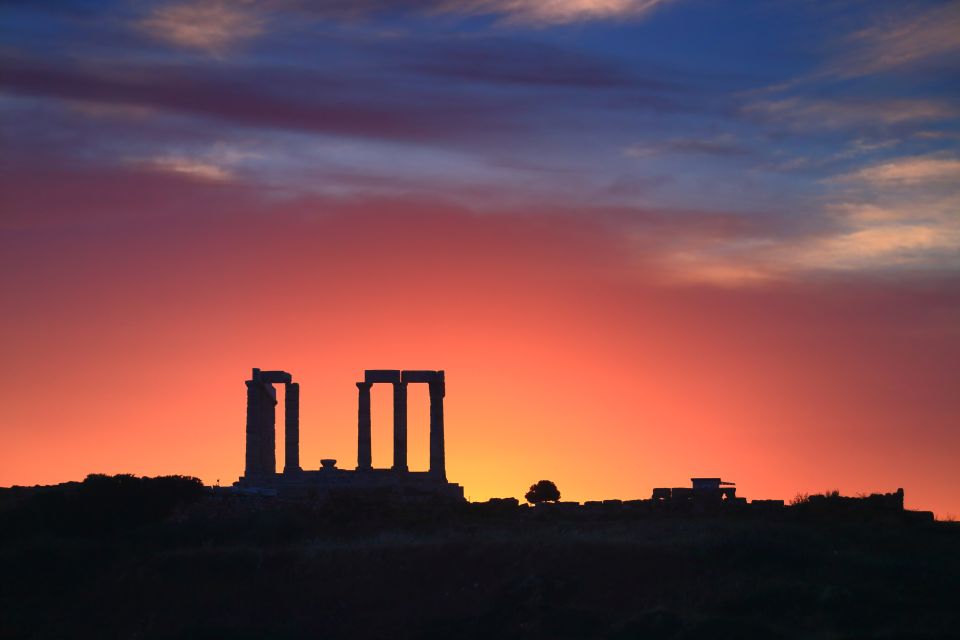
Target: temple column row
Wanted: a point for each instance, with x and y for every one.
(437, 455)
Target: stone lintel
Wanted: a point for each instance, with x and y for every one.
(381, 375)
(430, 377)
(273, 377)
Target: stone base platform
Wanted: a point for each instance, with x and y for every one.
(333, 482)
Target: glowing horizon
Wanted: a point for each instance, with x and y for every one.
(645, 240)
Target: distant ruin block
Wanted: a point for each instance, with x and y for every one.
(708, 484)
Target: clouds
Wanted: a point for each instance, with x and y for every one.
(190, 167)
(910, 36)
(901, 212)
(725, 145)
(274, 97)
(215, 26)
(559, 11)
(895, 218)
(537, 13)
(498, 105)
(217, 163)
(212, 26)
(803, 113)
(886, 247)
(916, 170)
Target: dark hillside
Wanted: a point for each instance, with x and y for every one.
(228, 567)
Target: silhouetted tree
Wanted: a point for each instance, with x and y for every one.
(543, 491)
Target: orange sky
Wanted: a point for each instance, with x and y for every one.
(567, 358)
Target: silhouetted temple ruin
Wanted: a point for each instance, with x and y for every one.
(261, 472)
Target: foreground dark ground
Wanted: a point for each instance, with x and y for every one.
(190, 565)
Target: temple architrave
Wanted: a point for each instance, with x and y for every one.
(260, 475)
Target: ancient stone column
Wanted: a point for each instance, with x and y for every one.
(291, 459)
(364, 455)
(400, 426)
(268, 433)
(254, 429)
(437, 456)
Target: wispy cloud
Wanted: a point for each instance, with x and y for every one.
(895, 217)
(560, 11)
(908, 171)
(212, 26)
(725, 145)
(322, 102)
(216, 164)
(900, 40)
(818, 114)
(518, 12)
(190, 167)
(890, 247)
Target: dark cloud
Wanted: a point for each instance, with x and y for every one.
(436, 88)
(512, 62)
(715, 147)
(403, 90)
(279, 97)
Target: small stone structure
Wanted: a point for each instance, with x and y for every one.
(704, 492)
(261, 475)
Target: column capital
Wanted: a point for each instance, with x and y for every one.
(364, 386)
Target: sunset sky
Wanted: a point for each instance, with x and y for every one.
(646, 239)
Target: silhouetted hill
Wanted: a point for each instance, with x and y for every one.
(159, 558)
